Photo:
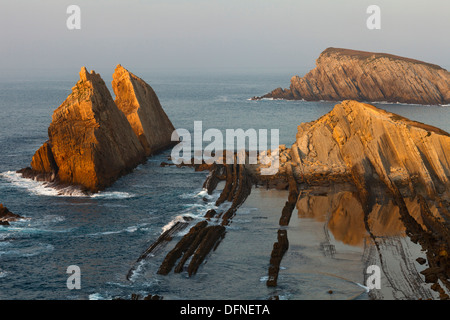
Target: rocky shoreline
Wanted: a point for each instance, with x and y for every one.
(392, 178)
(387, 174)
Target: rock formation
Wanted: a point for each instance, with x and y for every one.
(343, 74)
(7, 216)
(202, 238)
(367, 145)
(139, 103)
(91, 142)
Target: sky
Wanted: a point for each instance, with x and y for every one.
(212, 35)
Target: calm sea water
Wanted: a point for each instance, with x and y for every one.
(105, 234)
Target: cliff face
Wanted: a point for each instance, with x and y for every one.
(91, 142)
(139, 103)
(359, 141)
(343, 74)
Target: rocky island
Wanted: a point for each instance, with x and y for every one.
(94, 140)
(344, 74)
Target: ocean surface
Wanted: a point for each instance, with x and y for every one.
(104, 234)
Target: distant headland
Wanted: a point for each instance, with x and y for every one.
(344, 74)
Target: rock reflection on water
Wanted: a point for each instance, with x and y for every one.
(343, 214)
(380, 238)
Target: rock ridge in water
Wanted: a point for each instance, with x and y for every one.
(344, 74)
(91, 142)
(7, 216)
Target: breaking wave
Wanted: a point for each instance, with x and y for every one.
(42, 188)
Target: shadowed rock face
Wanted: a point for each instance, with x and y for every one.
(139, 103)
(91, 141)
(343, 74)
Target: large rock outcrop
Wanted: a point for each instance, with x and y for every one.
(139, 103)
(368, 144)
(343, 74)
(91, 142)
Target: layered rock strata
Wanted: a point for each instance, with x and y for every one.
(203, 237)
(343, 74)
(91, 141)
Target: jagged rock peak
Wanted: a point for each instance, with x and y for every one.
(91, 144)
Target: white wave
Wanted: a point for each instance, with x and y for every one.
(172, 223)
(189, 195)
(43, 188)
(402, 103)
(195, 194)
(203, 193)
(112, 195)
(136, 271)
(3, 274)
(96, 296)
(105, 233)
(130, 229)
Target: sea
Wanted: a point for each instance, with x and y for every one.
(105, 233)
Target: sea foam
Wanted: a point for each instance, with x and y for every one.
(42, 188)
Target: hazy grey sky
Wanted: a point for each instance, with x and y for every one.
(213, 34)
